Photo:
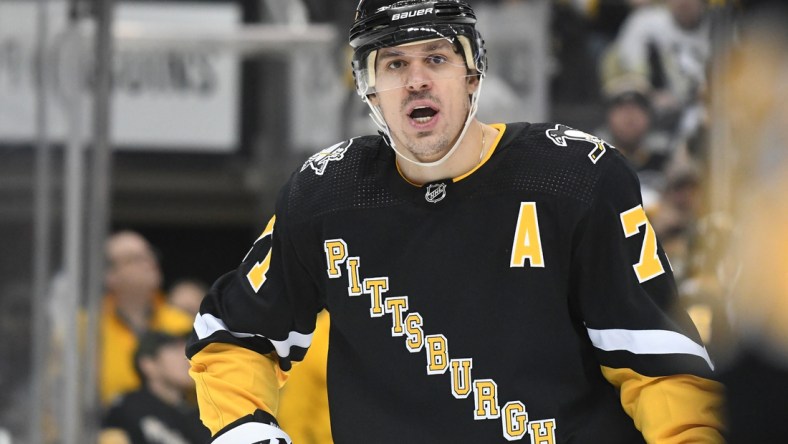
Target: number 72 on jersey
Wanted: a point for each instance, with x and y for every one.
(527, 242)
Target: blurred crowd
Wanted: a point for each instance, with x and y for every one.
(146, 393)
(645, 65)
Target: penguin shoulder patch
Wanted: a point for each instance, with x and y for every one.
(320, 160)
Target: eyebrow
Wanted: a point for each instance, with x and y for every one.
(394, 52)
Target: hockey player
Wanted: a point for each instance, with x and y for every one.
(486, 283)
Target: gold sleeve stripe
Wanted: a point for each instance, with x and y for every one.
(233, 382)
(206, 324)
(647, 342)
(671, 409)
(269, 229)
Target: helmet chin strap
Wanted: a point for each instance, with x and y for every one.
(377, 117)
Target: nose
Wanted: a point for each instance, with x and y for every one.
(418, 78)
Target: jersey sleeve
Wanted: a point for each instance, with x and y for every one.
(253, 325)
(305, 395)
(647, 346)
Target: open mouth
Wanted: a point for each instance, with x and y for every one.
(423, 114)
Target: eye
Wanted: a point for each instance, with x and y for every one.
(395, 64)
(437, 59)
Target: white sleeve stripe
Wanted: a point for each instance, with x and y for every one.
(207, 324)
(645, 342)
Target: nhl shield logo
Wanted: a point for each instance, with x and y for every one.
(319, 161)
(435, 192)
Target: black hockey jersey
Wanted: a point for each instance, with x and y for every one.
(146, 419)
(485, 308)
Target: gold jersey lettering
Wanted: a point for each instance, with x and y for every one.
(336, 253)
(527, 240)
(396, 306)
(649, 265)
(485, 395)
(461, 377)
(542, 432)
(413, 331)
(259, 271)
(354, 287)
(437, 354)
(375, 287)
(514, 420)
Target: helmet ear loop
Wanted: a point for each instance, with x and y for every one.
(377, 118)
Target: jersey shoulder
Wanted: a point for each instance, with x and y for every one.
(338, 157)
(339, 177)
(556, 159)
(562, 140)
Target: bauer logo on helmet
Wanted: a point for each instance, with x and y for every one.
(404, 15)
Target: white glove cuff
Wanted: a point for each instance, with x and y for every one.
(253, 433)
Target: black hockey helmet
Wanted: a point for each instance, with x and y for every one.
(386, 23)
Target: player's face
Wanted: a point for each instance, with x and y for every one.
(423, 92)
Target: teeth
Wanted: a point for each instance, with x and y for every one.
(419, 115)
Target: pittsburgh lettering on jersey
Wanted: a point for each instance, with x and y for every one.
(437, 354)
(515, 423)
(375, 287)
(354, 284)
(396, 306)
(461, 377)
(542, 432)
(413, 331)
(485, 396)
(336, 253)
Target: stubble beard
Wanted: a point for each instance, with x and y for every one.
(425, 150)
(430, 146)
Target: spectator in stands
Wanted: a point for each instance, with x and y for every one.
(156, 413)
(187, 294)
(668, 45)
(606, 17)
(628, 125)
(134, 304)
(676, 218)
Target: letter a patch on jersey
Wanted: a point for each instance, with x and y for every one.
(319, 161)
(527, 239)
